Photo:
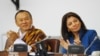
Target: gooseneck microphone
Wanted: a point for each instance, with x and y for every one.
(48, 37)
(96, 37)
(41, 49)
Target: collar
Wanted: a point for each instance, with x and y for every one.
(21, 35)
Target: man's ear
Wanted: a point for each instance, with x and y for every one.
(16, 23)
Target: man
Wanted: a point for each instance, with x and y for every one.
(27, 32)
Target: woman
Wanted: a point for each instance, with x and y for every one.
(73, 31)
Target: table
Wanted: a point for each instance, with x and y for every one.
(4, 53)
(49, 53)
(59, 54)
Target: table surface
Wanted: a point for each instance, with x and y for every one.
(3, 53)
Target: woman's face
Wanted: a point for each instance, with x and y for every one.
(73, 24)
(23, 21)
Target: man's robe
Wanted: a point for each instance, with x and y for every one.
(32, 36)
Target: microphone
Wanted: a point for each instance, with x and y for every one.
(41, 49)
(48, 37)
(96, 37)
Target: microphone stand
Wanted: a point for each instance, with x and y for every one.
(41, 50)
(41, 47)
(96, 37)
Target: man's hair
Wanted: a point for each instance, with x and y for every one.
(23, 11)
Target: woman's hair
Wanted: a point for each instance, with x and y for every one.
(64, 30)
(23, 11)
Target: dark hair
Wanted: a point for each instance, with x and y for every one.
(64, 30)
(23, 11)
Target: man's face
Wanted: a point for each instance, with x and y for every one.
(23, 21)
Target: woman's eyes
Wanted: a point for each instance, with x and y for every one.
(70, 23)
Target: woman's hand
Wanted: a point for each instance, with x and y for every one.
(77, 42)
(64, 43)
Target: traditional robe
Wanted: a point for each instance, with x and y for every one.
(32, 36)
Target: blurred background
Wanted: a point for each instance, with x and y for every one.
(47, 14)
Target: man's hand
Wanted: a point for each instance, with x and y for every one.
(12, 35)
